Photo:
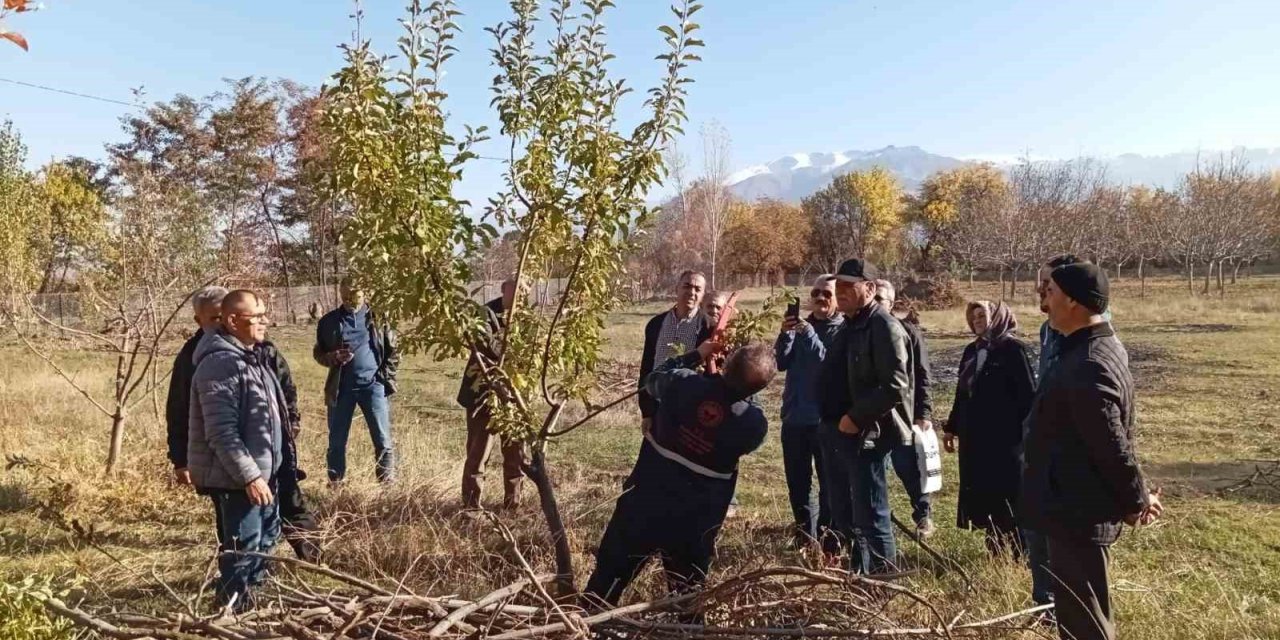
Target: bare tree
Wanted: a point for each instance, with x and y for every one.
(1150, 214)
(1226, 205)
(708, 197)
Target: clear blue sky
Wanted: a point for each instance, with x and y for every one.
(970, 78)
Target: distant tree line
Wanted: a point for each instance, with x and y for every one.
(238, 185)
(1220, 218)
(230, 185)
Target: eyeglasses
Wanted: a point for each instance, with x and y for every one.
(255, 318)
(819, 293)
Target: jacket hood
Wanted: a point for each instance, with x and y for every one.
(215, 342)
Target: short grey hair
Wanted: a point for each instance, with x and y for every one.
(886, 290)
(751, 367)
(207, 296)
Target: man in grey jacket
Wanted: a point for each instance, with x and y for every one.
(234, 448)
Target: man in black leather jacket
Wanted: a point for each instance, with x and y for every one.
(867, 404)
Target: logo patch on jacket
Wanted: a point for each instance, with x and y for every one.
(710, 414)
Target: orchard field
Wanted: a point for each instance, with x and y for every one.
(1208, 373)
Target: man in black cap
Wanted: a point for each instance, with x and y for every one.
(1081, 478)
(866, 411)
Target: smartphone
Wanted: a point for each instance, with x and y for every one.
(793, 310)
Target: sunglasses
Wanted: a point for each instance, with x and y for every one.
(819, 293)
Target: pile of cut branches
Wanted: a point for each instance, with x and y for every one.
(780, 602)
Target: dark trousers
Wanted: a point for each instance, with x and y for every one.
(906, 464)
(373, 403)
(1081, 597)
(677, 521)
(1036, 545)
(801, 458)
(859, 498)
(297, 522)
(242, 526)
(479, 443)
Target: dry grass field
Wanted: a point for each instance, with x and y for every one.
(1208, 371)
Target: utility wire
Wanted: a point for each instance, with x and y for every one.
(70, 93)
(131, 104)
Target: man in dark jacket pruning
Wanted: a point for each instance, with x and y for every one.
(800, 349)
(676, 497)
(1082, 479)
(362, 360)
(867, 411)
(471, 398)
(234, 448)
(906, 462)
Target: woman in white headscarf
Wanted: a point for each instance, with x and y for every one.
(993, 396)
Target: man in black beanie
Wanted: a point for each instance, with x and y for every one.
(1081, 479)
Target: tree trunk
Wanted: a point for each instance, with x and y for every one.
(972, 269)
(47, 278)
(537, 472)
(1013, 284)
(1191, 276)
(715, 249)
(1002, 281)
(1235, 272)
(1208, 277)
(117, 440)
(1142, 279)
(1221, 290)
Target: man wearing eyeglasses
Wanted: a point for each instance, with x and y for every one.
(800, 349)
(235, 446)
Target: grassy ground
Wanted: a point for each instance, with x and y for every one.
(1208, 371)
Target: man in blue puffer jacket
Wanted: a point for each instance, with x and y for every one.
(234, 448)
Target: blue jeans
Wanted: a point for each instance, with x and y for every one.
(377, 415)
(1037, 546)
(859, 497)
(906, 464)
(243, 526)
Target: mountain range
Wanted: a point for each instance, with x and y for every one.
(791, 178)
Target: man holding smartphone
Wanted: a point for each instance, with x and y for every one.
(800, 349)
(362, 360)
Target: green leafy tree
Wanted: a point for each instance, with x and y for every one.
(23, 219)
(77, 222)
(574, 190)
(858, 214)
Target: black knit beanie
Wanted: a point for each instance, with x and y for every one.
(1085, 283)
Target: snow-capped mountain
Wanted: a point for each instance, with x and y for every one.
(796, 176)
(793, 177)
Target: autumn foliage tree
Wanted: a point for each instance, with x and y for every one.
(15, 7)
(954, 213)
(767, 238)
(858, 214)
